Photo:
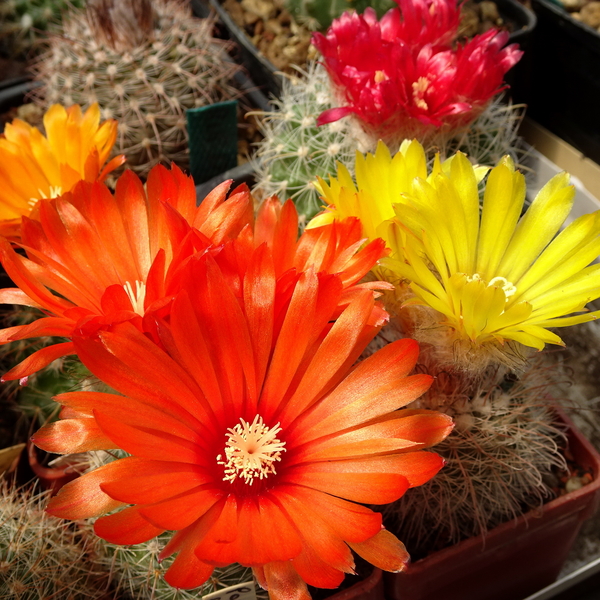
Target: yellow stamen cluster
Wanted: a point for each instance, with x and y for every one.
(251, 451)
(55, 192)
(506, 286)
(419, 88)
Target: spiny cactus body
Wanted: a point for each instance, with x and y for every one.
(137, 574)
(42, 556)
(500, 458)
(492, 135)
(146, 82)
(294, 150)
(22, 22)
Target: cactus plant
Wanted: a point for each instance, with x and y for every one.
(504, 450)
(294, 150)
(146, 62)
(42, 556)
(21, 22)
(137, 573)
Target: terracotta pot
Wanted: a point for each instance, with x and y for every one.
(516, 558)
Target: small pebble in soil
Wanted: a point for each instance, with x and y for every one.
(590, 14)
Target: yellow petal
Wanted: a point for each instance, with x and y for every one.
(571, 251)
(502, 203)
(539, 225)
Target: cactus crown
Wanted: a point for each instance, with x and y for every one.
(122, 25)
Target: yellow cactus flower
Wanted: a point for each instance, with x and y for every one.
(34, 166)
(381, 182)
(494, 275)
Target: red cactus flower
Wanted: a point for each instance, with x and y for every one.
(254, 442)
(402, 87)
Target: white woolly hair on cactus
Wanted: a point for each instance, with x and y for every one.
(43, 557)
(500, 458)
(145, 62)
(445, 347)
(294, 150)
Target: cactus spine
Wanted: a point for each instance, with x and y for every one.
(138, 575)
(146, 62)
(294, 150)
(500, 458)
(42, 556)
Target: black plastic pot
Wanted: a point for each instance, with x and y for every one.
(565, 83)
(262, 72)
(12, 92)
(266, 75)
(524, 23)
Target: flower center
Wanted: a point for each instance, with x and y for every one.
(419, 88)
(507, 287)
(136, 297)
(55, 192)
(251, 451)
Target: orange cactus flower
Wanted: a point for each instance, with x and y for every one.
(93, 256)
(253, 445)
(95, 259)
(33, 166)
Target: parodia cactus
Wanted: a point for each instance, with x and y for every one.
(146, 62)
